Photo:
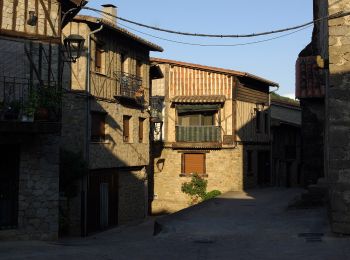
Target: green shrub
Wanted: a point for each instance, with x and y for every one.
(212, 194)
(197, 189)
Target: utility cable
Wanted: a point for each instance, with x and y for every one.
(329, 17)
(212, 45)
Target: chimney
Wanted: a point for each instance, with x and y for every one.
(110, 9)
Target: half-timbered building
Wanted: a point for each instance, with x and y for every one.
(105, 117)
(215, 124)
(30, 115)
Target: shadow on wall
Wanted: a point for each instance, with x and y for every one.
(115, 188)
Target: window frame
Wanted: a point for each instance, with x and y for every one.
(101, 137)
(99, 57)
(126, 129)
(183, 164)
(141, 129)
(258, 120)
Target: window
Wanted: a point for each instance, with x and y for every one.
(98, 58)
(126, 129)
(98, 121)
(266, 122)
(141, 121)
(193, 163)
(196, 118)
(258, 121)
(250, 163)
(139, 68)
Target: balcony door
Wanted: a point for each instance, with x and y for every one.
(197, 118)
(9, 174)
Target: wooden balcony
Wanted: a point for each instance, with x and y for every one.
(198, 134)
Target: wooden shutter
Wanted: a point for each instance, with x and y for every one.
(141, 120)
(98, 58)
(126, 128)
(194, 163)
(98, 126)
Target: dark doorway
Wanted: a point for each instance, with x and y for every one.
(9, 179)
(264, 177)
(288, 175)
(102, 204)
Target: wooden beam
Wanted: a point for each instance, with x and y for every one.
(1, 12)
(33, 37)
(48, 17)
(14, 14)
(37, 13)
(25, 15)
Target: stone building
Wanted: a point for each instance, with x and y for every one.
(215, 124)
(285, 116)
(105, 119)
(331, 67)
(30, 118)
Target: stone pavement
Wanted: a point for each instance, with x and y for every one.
(252, 225)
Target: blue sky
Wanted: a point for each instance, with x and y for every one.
(274, 60)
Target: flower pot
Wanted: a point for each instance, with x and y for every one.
(41, 114)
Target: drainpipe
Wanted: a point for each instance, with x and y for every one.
(85, 181)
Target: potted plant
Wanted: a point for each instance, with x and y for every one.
(12, 110)
(49, 100)
(30, 107)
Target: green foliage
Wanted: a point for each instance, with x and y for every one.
(32, 104)
(197, 189)
(72, 168)
(276, 97)
(212, 194)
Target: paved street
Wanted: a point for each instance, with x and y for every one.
(256, 225)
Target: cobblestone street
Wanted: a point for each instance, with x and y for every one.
(253, 225)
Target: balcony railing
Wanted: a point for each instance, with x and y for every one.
(198, 133)
(128, 85)
(24, 100)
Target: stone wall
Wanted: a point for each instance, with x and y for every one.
(38, 189)
(313, 116)
(338, 118)
(223, 167)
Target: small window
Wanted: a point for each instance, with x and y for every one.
(258, 121)
(98, 121)
(98, 58)
(266, 122)
(126, 129)
(250, 163)
(139, 68)
(141, 132)
(193, 163)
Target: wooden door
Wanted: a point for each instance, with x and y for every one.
(9, 175)
(102, 204)
(264, 177)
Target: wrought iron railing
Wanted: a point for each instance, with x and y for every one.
(128, 85)
(22, 98)
(198, 133)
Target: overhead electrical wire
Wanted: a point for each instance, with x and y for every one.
(329, 17)
(210, 45)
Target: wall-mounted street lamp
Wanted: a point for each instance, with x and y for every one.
(74, 44)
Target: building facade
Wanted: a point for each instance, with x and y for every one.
(30, 116)
(286, 143)
(215, 124)
(105, 119)
(330, 48)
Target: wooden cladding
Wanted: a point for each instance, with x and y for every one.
(194, 82)
(30, 17)
(253, 96)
